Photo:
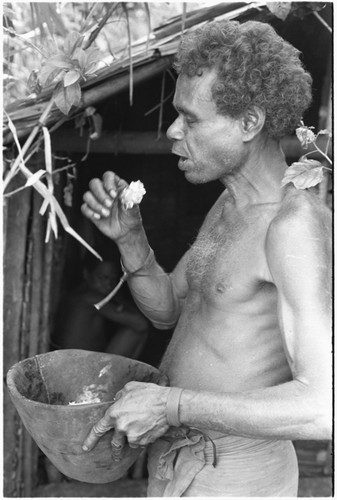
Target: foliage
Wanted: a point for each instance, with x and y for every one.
(307, 173)
(56, 46)
(298, 9)
(67, 68)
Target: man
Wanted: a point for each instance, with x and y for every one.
(249, 362)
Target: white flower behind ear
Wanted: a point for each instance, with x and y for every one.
(305, 135)
(306, 173)
(133, 194)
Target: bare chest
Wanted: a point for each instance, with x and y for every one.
(228, 257)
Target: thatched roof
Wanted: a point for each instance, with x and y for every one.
(149, 57)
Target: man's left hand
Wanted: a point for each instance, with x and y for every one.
(138, 415)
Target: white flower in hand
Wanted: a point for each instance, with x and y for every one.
(133, 194)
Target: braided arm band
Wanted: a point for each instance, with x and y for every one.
(172, 406)
(148, 261)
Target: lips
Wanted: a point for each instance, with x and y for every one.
(182, 160)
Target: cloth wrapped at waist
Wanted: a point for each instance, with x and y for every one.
(187, 462)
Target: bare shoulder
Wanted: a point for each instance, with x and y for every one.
(299, 248)
(301, 214)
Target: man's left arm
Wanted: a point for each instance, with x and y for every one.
(298, 251)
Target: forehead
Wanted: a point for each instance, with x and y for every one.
(195, 90)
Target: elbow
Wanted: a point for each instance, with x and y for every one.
(325, 424)
(322, 421)
(166, 320)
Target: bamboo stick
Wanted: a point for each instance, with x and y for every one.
(48, 272)
(14, 265)
(37, 277)
(146, 143)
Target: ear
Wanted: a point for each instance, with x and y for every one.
(252, 122)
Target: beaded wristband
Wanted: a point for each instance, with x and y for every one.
(172, 406)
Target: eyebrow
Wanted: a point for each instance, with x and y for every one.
(183, 110)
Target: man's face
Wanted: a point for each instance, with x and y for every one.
(209, 144)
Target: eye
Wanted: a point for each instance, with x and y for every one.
(190, 120)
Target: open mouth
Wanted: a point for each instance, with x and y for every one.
(182, 161)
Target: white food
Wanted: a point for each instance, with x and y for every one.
(89, 395)
(104, 370)
(133, 194)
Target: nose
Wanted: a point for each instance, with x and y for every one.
(175, 130)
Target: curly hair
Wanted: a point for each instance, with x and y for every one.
(255, 67)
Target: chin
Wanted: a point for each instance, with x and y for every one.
(194, 178)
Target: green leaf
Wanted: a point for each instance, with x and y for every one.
(66, 97)
(71, 77)
(74, 93)
(47, 74)
(304, 174)
(81, 56)
(279, 9)
(61, 61)
(93, 55)
(60, 100)
(324, 132)
(72, 41)
(90, 68)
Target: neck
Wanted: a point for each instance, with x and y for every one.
(258, 178)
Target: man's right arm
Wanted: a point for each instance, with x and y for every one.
(158, 295)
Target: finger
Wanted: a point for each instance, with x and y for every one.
(90, 214)
(117, 444)
(163, 380)
(97, 431)
(113, 184)
(96, 206)
(99, 193)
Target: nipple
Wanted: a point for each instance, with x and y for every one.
(220, 288)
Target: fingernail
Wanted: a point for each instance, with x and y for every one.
(85, 448)
(113, 193)
(105, 212)
(108, 203)
(96, 216)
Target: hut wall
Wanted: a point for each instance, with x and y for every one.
(27, 278)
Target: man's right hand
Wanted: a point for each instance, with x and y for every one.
(103, 207)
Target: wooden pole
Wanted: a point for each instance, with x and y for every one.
(112, 142)
(108, 87)
(18, 208)
(134, 142)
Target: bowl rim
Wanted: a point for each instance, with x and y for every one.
(14, 392)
